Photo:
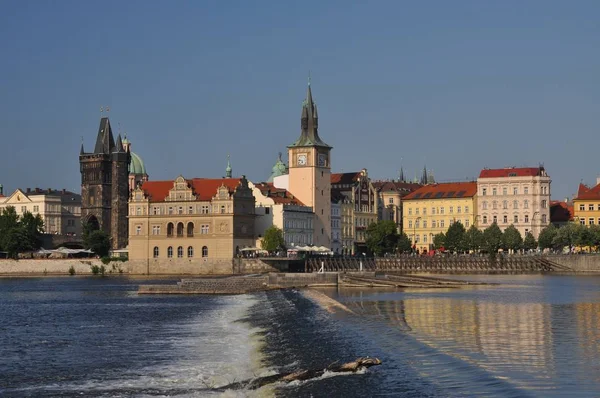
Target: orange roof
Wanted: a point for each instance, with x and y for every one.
(345, 178)
(561, 211)
(395, 186)
(279, 195)
(450, 190)
(511, 172)
(587, 193)
(204, 188)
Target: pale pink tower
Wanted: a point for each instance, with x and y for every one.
(137, 170)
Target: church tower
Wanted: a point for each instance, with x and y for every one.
(105, 185)
(310, 171)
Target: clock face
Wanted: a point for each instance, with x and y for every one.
(302, 160)
(322, 160)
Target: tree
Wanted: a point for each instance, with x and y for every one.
(473, 239)
(99, 242)
(32, 227)
(529, 243)
(273, 239)
(19, 234)
(512, 239)
(404, 244)
(492, 239)
(546, 238)
(439, 241)
(584, 237)
(566, 236)
(455, 237)
(595, 236)
(86, 229)
(382, 237)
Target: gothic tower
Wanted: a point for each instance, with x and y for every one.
(105, 186)
(310, 171)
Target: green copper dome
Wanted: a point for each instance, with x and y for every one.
(137, 165)
(278, 169)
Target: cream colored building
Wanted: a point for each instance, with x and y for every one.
(60, 209)
(389, 204)
(191, 219)
(517, 196)
(278, 207)
(432, 208)
(336, 224)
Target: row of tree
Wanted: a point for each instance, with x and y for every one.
(19, 233)
(571, 235)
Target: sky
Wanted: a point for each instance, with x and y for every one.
(456, 86)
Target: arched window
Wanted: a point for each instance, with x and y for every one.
(204, 251)
(170, 252)
(155, 251)
(190, 251)
(170, 229)
(180, 252)
(179, 229)
(190, 229)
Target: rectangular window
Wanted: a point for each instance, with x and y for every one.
(526, 204)
(36, 209)
(494, 191)
(155, 211)
(222, 209)
(495, 219)
(458, 209)
(441, 210)
(424, 238)
(442, 224)
(467, 223)
(484, 191)
(391, 201)
(504, 191)
(138, 230)
(545, 204)
(204, 209)
(191, 210)
(433, 210)
(451, 209)
(424, 210)
(467, 209)
(526, 218)
(515, 190)
(581, 207)
(138, 211)
(410, 211)
(515, 219)
(204, 229)
(590, 207)
(590, 221)
(505, 219)
(432, 223)
(485, 219)
(170, 210)
(526, 190)
(417, 211)
(23, 209)
(484, 206)
(582, 221)
(180, 210)
(424, 223)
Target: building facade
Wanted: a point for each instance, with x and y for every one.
(586, 205)
(310, 171)
(359, 208)
(278, 207)
(561, 213)
(514, 196)
(193, 219)
(60, 209)
(336, 224)
(389, 203)
(105, 185)
(432, 208)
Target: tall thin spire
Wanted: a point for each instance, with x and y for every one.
(309, 135)
(81, 151)
(402, 174)
(228, 170)
(424, 178)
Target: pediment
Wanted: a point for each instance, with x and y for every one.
(18, 197)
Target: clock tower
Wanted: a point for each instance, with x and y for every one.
(310, 171)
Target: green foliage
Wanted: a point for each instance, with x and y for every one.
(404, 244)
(512, 239)
(595, 236)
(455, 237)
(546, 238)
(106, 260)
(529, 243)
(71, 270)
(99, 243)
(382, 237)
(492, 239)
(273, 239)
(439, 241)
(567, 236)
(95, 269)
(473, 239)
(19, 234)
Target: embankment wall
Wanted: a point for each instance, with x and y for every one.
(579, 262)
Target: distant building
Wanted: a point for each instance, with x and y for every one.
(432, 208)
(336, 223)
(514, 196)
(194, 219)
(278, 207)
(137, 169)
(587, 204)
(390, 194)
(60, 209)
(561, 213)
(105, 185)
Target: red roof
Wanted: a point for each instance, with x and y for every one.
(587, 193)
(511, 172)
(204, 188)
(444, 191)
(279, 195)
(345, 178)
(396, 186)
(561, 212)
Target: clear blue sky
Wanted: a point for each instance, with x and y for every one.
(458, 85)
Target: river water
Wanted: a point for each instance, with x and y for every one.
(526, 336)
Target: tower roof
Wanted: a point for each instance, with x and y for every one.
(278, 169)
(137, 165)
(228, 170)
(309, 135)
(105, 142)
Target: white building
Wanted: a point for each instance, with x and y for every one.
(60, 209)
(276, 206)
(514, 196)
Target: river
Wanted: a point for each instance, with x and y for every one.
(526, 336)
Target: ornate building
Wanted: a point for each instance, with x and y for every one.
(191, 219)
(137, 169)
(310, 171)
(587, 204)
(105, 185)
(390, 194)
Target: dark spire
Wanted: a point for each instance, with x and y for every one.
(424, 178)
(309, 135)
(402, 174)
(105, 142)
(81, 151)
(228, 168)
(119, 147)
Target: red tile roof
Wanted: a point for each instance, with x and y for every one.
(279, 195)
(396, 186)
(586, 193)
(345, 178)
(444, 191)
(561, 212)
(511, 172)
(204, 188)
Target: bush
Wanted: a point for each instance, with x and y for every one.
(106, 260)
(71, 270)
(95, 269)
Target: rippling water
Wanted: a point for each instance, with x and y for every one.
(527, 336)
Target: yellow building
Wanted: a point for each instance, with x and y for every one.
(433, 208)
(587, 205)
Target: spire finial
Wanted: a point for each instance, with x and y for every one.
(228, 169)
(309, 77)
(279, 156)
